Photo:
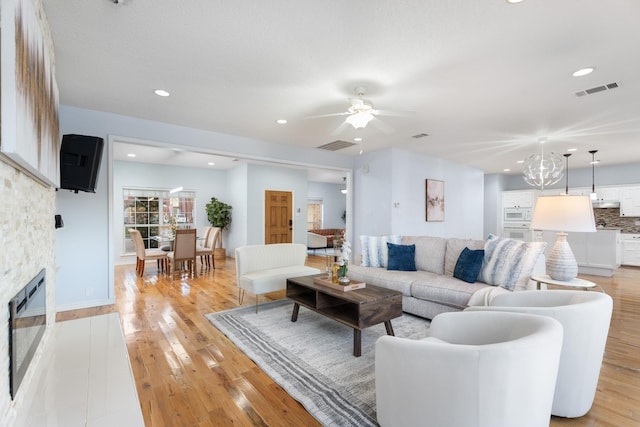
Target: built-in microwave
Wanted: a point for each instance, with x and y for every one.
(517, 214)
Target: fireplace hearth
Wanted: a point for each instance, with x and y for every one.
(27, 324)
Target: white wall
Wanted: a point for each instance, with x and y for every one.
(207, 183)
(334, 202)
(237, 233)
(395, 176)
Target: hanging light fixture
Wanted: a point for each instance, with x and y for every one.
(593, 194)
(566, 188)
(542, 170)
(360, 119)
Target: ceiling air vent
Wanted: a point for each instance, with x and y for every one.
(420, 135)
(336, 145)
(597, 89)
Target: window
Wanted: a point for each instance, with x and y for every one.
(314, 214)
(155, 212)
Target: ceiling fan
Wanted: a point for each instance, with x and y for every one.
(361, 113)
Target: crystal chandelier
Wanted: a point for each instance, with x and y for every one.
(542, 170)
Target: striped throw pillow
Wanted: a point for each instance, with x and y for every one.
(374, 249)
(508, 263)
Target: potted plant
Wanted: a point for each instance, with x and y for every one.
(219, 215)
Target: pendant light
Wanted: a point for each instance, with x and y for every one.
(542, 170)
(593, 194)
(566, 188)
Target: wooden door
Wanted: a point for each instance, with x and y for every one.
(278, 217)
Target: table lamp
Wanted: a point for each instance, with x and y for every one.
(563, 214)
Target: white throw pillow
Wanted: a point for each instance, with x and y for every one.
(508, 263)
(374, 249)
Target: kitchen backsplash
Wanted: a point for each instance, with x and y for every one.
(612, 218)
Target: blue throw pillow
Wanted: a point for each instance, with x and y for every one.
(468, 265)
(401, 257)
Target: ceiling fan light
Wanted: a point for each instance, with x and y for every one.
(360, 119)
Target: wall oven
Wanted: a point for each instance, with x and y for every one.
(517, 214)
(518, 231)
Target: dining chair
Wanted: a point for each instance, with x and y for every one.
(184, 250)
(206, 252)
(143, 254)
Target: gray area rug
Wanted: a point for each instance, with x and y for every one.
(312, 359)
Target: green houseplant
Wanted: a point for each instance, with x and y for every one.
(219, 215)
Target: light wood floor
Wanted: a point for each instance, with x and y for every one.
(189, 374)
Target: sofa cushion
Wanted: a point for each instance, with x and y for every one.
(454, 248)
(443, 289)
(374, 249)
(430, 252)
(401, 257)
(508, 263)
(469, 265)
(390, 279)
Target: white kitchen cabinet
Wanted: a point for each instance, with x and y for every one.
(631, 250)
(608, 194)
(630, 201)
(596, 253)
(517, 199)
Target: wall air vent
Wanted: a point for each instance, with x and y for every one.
(336, 145)
(597, 89)
(420, 135)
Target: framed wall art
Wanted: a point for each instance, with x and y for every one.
(435, 200)
(29, 109)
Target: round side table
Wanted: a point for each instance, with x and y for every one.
(542, 280)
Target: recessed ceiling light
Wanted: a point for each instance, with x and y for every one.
(583, 72)
(281, 121)
(520, 161)
(131, 155)
(161, 92)
(211, 164)
(507, 170)
(572, 149)
(514, 1)
(357, 139)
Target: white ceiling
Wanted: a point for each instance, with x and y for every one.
(485, 79)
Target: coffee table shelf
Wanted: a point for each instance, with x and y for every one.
(357, 309)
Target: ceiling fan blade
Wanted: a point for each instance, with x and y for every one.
(340, 128)
(395, 113)
(327, 115)
(382, 126)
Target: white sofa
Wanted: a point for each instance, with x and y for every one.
(585, 317)
(432, 289)
(261, 269)
(472, 370)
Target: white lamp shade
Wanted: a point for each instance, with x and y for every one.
(359, 119)
(563, 213)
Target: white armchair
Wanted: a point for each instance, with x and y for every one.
(474, 369)
(585, 317)
(316, 241)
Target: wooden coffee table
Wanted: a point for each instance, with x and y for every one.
(357, 309)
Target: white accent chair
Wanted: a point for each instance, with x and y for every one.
(316, 241)
(261, 269)
(480, 369)
(585, 317)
